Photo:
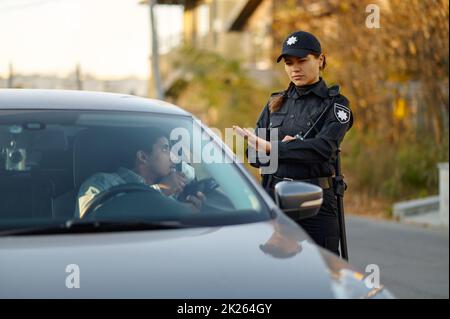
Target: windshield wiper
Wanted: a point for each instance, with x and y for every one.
(74, 226)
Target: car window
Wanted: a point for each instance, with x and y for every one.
(52, 159)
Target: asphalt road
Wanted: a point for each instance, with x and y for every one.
(413, 261)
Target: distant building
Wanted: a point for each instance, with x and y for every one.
(236, 29)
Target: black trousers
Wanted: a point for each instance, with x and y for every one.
(323, 228)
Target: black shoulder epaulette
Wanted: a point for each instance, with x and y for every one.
(334, 90)
(276, 93)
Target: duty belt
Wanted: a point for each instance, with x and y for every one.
(323, 182)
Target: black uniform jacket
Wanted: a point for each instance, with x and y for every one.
(313, 156)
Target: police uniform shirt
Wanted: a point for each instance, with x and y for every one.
(311, 157)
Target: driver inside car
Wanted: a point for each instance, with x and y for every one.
(146, 161)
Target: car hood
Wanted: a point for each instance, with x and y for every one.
(273, 259)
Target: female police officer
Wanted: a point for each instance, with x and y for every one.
(312, 120)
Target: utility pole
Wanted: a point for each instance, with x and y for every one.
(11, 76)
(79, 81)
(154, 49)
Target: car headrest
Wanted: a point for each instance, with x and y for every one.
(50, 140)
(96, 150)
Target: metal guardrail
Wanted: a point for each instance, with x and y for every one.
(416, 207)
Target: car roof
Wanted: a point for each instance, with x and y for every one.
(83, 100)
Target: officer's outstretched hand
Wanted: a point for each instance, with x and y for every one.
(288, 138)
(260, 144)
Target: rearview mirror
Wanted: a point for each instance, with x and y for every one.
(298, 200)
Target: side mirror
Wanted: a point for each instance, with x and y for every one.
(298, 200)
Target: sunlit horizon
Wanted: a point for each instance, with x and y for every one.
(108, 39)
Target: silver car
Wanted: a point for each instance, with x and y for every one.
(130, 245)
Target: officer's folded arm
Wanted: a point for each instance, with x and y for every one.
(319, 148)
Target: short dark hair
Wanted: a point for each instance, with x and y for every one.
(137, 139)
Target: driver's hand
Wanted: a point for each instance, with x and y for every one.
(173, 183)
(196, 201)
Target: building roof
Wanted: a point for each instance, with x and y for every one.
(246, 12)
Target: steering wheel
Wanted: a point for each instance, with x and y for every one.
(112, 192)
(216, 202)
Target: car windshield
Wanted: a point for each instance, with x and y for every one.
(61, 165)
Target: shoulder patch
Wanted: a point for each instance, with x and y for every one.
(342, 113)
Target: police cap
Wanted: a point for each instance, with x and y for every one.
(300, 44)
